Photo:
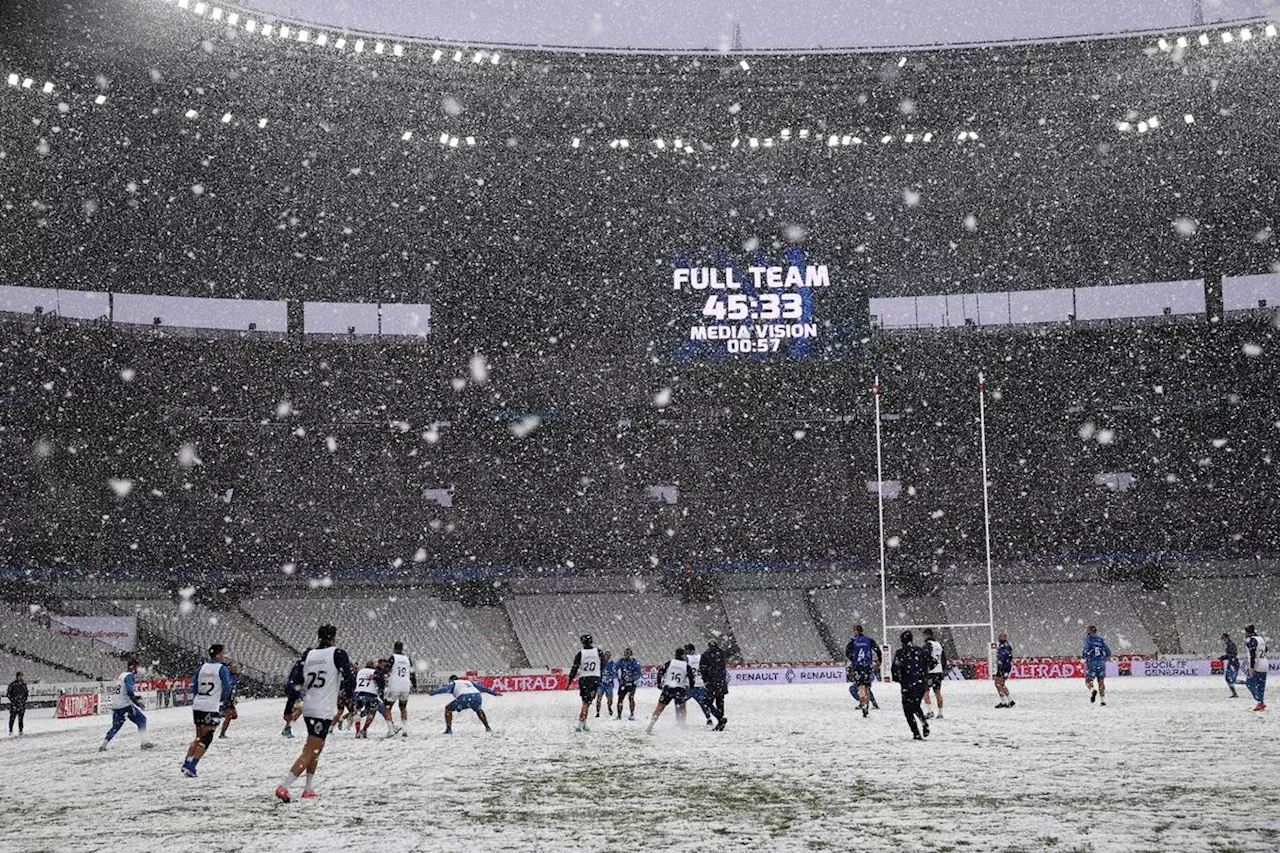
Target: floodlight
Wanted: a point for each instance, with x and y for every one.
(845, 140)
(626, 143)
(902, 62)
(100, 100)
(26, 82)
(493, 60)
(1204, 39)
(577, 143)
(444, 139)
(1271, 31)
(735, 143)
(679, 142)
(833, 141)
(192, 114)
(341, 43)
(285, 32)
(304, 35)
(1142, 127)
(909, 138)
(184, 4)
(660, 143)
(397, 50)
(233, 19)
(804, 133)
(928, 137)
(13, 79)
(251, 26)
(216, 14)
(1246, 34)
(973, 134)
(1189, 118)
(47, 88)
(857, 140)
(378, 48)
(435, 56)
(262, 123)
(457, 56)
(1153, 122)
(266, 30)
(886, 139)
(471, 141)
(786, 133)
(753, 142)
(961, 137)
(453, 142)
(1164, 45)
(1123, 126)
(226, 118)
(768, 142)
(1181, 42)
(1227, 37)
(688, 149)
(200, 7)
(359, 46)
(743, 64)
(406, 136)
(322, 39)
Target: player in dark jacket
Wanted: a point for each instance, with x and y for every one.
(715, 675)
(911, 665)
(17, 694)
(1230, 658)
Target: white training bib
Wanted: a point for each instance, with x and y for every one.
(463, 687)
(121, 700)
(935, 649)
(676, 674)
(321, 682)
(208, 688)
(398, 678)
(589, 663)
(694, 660)
(367, 681)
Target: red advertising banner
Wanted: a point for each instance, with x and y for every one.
(77, 705)
(523, 683)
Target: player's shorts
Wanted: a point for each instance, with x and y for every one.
(393, 696)
(206, 718)
(366, 703)
(673, 694)
(1095, 670)
(1004, 671)
(317, 727)
(605, 689)
(860, 676)
(467, 702)
(935, 680)
(626, 690)
(587, 687)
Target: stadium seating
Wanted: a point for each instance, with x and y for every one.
(33, 672)
(439, 636)
(21, 633)
(652, 625)
(773, 625)
(1208, 607)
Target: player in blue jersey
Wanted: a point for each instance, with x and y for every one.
(467, 696)
(211, 689)
(1230, 658)
(127, 706)
(629, 672)
(863, 656)
(609, 674)
(1004, 669)
(1095, 652)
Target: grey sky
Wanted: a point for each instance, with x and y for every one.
(695, 24)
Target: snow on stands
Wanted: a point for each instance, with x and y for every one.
(1168, 765)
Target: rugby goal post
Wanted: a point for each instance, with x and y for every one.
(886, 647)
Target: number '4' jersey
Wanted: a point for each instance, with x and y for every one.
(398, 678)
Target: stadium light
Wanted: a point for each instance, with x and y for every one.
(786, 134)
(660, 143)
(453, 142)
(1189, 118)
(753, 142)
(577, 142)
(304, 36)
(435, 57)
(1227, 37)
(47, 88)
(768, 142)
(477, 57)
(340, 44)
(1153, 122)
(1123, 126)
(216, 15)
(397, 50)
(13, 80)
(285, 32)
(379, 48)
(262, 123)
(200, 7)
(902, 62)
(266, 31)
(251, 26)
(493, 60)
(1163, 44)
(226, 118)
(625, 143)
(322, 39)
(444, 139)
(909, 138)
(833, 141)
(857, 140)
(1182, 41)
(192, 114)
(233, 19)
(184, 4)
(1271, 31)
(735, 143)
(100, 100)
(973, 135)
(1246, 34)
(688, 149)
(744, 65)
(471, 141)
(26, 82)
(886, 139)
(406, 136)
(679, 142)
(359, 45)
(457, 56)
(1142, 127)
(1204, 39)
(928, 137)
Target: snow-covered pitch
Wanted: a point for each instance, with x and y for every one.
(1168, 765)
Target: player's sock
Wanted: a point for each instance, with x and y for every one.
(102, 748)
(311, 782)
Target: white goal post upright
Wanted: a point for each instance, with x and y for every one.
(886, 646)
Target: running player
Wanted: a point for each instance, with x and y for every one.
(861, 652)
(229, 713)
(674, 677)
(586, 663)
(629, 672)
(346, 710)
(1096, 652)
(609, 674)
(399, 683)
(292, 693)
(1004, 669)
(910, 668)
(369, 682)
(698, 688)
(211, 686)
(127, 706)
(467, 696)
(326, 672)
(1230, 664)
(1256, 680)
(937, 670)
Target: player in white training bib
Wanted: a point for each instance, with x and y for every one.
(466, 697)
(399, 682)
(326, 672)
(674, 678)
(587, 668)
(211, 690)
(127, 706)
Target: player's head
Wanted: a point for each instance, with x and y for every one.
(1091, 630)
(327, 634)
(679, 652)
(368, 664)
(690, 648)
(217, 652)
(626, 653)
(399, 648)
(906, 637)
(18, 676)
(1248, 630)
(928, 633)
(131, 665)
(586, 641)
(1226, 636)
(1004, 638)
(453, 678)
(857, 630)
(713, 643)
(608, 655)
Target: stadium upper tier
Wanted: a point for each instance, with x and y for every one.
(177, 153)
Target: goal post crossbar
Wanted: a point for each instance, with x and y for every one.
(943, 625)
